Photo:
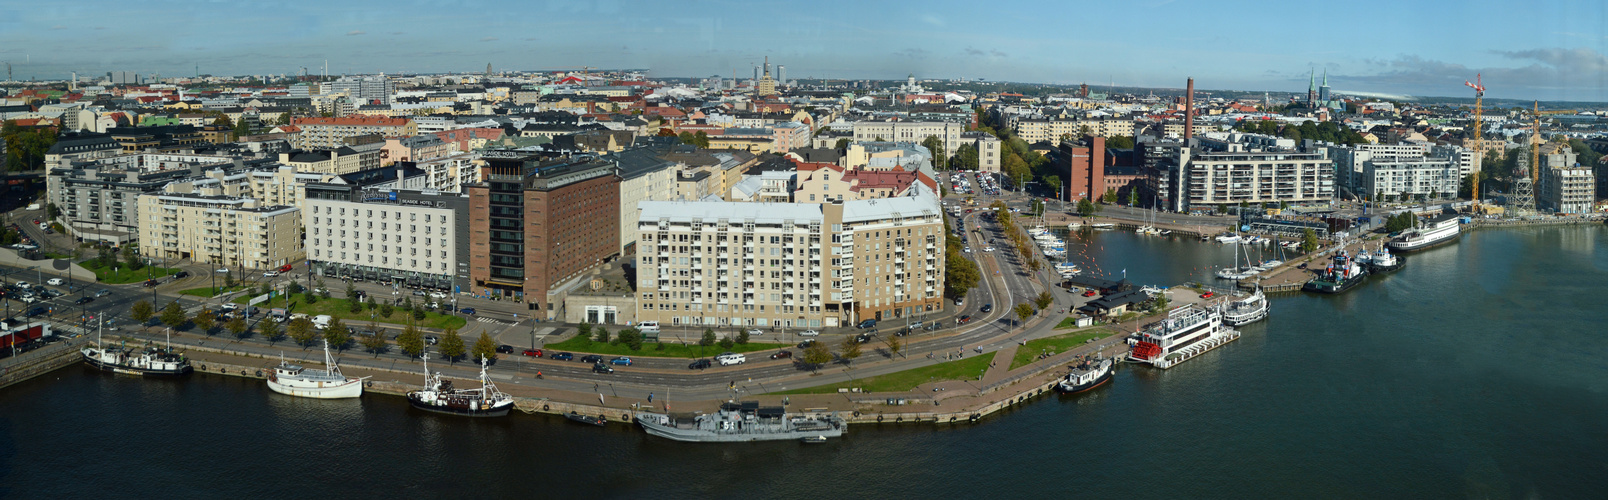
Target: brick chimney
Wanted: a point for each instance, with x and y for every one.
(1189, 111)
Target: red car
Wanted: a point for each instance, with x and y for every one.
(1208, 295)
(1090, 293)
(535, 353)
(285, 268)
(966, 318)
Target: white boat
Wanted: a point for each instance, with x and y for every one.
(1074, 225)
(1241, 311)
(1089, 374)
(1442, 229)
(1103, 226)
(1187, 332)
(1237, 273)
(147, 362)
(1147, 230)
(1228, 238)
(295, 380)
(439, 396)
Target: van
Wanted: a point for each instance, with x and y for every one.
(278, 315)
(321, 321)
(648, 327)
(867, 324)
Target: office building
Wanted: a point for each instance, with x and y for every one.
(409, 238)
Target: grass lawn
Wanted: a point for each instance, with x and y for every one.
(671, 349)
(336, 307)
(1054, 345)
(124, 275)
(206, 291)
(961, 369)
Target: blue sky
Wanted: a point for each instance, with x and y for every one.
(1549, 50)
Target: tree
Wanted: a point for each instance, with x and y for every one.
(302, 332)
(293, 288)
(602, 335)
(936, 147)
(1024, 311)
(1085, 207)
(386, 310)
(1133, 197)
(1044, 300)
(817, 354)
(1309, 241)
(411, 341)
(727, 343)
(452, 345)
(374, 342)
(701, 139)
(1119, 142)
(173, 315)
(894, 344)
(708, 338)
(742, 337)
(851, 348)
(353, 305)
(960, 274)
(237, 326)
(967, 157)
(484, 348)
(132, 257)
(205, 320)
(269, 329)
(841, 143)
(142, 311)
(418, 314)
(631, 338)
(337, 334)
(1055, 185)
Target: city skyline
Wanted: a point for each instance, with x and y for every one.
(1552, 52)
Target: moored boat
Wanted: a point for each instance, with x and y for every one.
(1187, 332)
(1439, 230)
(586, 419)
(1087, 375)
(738, 422)
(1245, 310)
(439, 396)
(295, 380)
(1342, 274)
(1383, 262)
(151, 361)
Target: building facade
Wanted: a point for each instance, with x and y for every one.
(329, 133)
(1410, 178)
(1568, 190)
(1211, 179)
(911, 132)
(411, 238)
(219, 230)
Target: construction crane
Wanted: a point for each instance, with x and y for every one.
(1535, 146)
(1479, 144)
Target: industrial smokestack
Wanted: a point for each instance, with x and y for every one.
(1189, 111)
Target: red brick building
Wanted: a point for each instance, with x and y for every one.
(536, 226)
(1084, 164)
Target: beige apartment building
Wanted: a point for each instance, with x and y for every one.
(219, 230)
(1050, 129)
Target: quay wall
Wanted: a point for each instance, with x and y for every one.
(41, 361)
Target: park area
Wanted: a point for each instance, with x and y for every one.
(962, 369)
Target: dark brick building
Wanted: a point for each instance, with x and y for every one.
(536, 225)
(1084, 163)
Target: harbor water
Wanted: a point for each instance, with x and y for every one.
(1478, 371)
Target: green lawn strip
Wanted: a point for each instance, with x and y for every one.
(337, 307)
(962, 369)
(206, 291)
(123, 275)
(1054, 345)
(671, 349)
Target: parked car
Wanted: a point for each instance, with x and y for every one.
(1208, 295)
(1090, 293)
(591, 358)
(809, 333)
(601, 368)
(866, 324)
(700, 364)
(24, 285)
(782, 355)
(755, 331)
(534, 353)
(563, 356)
(622, 361)
(505, 349)
(54, 282)
(467, 310)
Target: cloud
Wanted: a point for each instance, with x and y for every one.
(489, 39)
(912, 53)
(1551, 73)
(976, 52)
(934, 20)
(356, 32)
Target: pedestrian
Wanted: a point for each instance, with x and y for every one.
(650, 397)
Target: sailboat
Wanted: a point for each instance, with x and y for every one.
(1238, 272)
(329, 383)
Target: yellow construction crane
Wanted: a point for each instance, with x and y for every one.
(1479, 144)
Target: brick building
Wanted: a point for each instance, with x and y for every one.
(1084, 164)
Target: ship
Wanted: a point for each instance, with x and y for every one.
(1087, 375)
(294, 380)
(741, 422)
(1383, 261)
(1342, 274)
(439, 396)
(1247, 310)
(1442, 229)
(1187, 332)
(148, 362)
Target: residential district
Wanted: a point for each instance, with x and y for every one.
(764, 210)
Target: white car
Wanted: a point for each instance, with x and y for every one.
(809, 333)
(988, 249)
(967, 249)
(755, 331)
(54, 282)
(24, 285)
(729, 359)
(271, 274)
(437, 295)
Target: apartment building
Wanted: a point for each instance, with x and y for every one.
(546, 223)
(1052, 129)
(1350, 162)
(1568, 190)
(643, 177)
(988, 150)
(329, 133)
(1208, 179)
(99, 199)
(411, 238)
(1426, 177)
(911, 132)
(789, 265)
(219, 230)
(450, 173)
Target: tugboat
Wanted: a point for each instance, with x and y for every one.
(439, 396)
(739, 422)
(1383, 262)
(1441, 229)
(1089, 374)
(1247, 310)
(294, 380)
(1187, 332)
(147, 362)
(1341, 275)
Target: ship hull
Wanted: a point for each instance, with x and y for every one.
(1322, 286)
(1403, 246)
(648, 423)
(1064, 388)
(350, 389)
(128, 370)
(495, 411)
(1378, 269)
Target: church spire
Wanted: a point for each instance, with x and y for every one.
(1312, 81)
(1325, 77)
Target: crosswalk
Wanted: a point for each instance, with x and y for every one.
(484, 319)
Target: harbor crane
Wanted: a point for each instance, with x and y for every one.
(1479, 144)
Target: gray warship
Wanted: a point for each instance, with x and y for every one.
(745, 421)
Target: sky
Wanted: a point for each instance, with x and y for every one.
(1547, 50)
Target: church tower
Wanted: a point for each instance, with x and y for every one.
(1323, 90)
(1312, 89)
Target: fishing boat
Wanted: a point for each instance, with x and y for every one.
(741, 422)
(1187, 332)
(1342, 274)
(294, 380)
(1439, 230)
(151, 361)
(1087, 375)
(1243, 311)
(586, 419)
(439, 396)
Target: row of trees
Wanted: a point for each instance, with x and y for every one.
(302, 332)
(26, 146)
(1325, 131)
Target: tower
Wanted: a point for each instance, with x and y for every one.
(488, 69)
(1323, 90)
(781, 75)
(1189, 111)
(1312, 88)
